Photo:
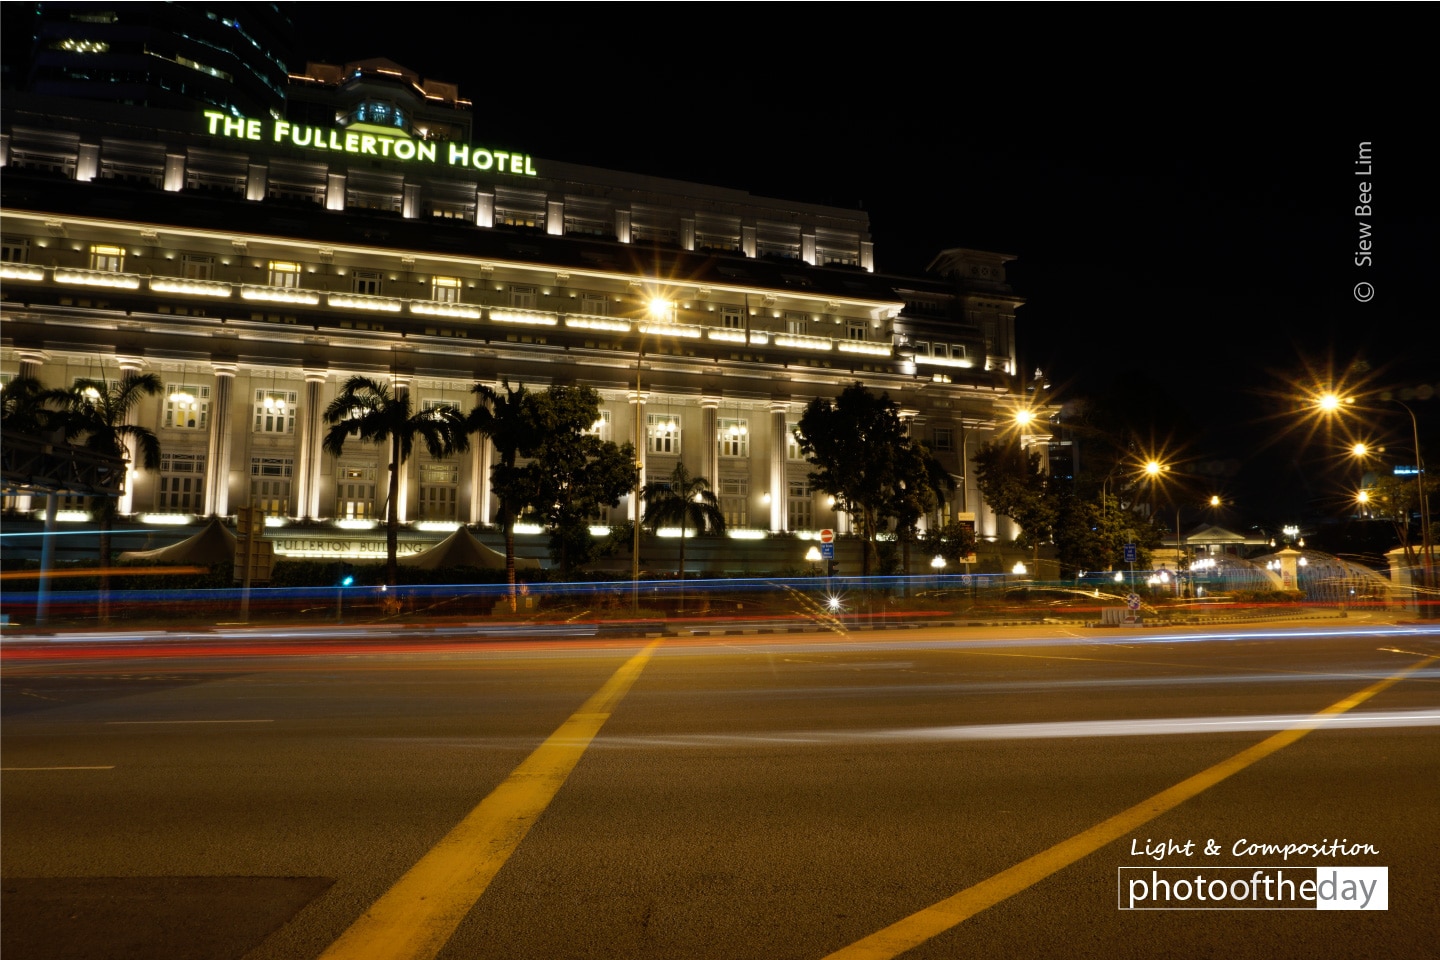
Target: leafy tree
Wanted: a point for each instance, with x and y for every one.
(574, 473)
(1016, 486)
(924, 483)
(955, 541)
(96, 413)
(684, 501)
(507, 417)
(865, 460)
(1396, 499)
(368, 410)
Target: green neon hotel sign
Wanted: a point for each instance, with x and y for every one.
(369, 144)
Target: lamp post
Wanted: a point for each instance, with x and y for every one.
(639, 466)
(1331, 402)
(1425, 544)
(658, 308)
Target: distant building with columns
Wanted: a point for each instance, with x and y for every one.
(255, 264)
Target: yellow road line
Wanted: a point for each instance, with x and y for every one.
(932, 921)
(418, 915)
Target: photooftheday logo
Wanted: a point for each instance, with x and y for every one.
(1254, 888)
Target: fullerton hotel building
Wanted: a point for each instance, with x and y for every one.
(255, 263)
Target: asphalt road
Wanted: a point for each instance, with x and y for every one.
(756, 797)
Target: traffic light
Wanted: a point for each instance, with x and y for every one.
(347, 575)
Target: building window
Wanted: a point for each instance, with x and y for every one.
(445, 289)
(734, 438)
(365, 282)
(523, 298)
(511, 217)
(439, 486)
(792, 442)
(944, 439)
(451, 211)
(355, 493)
(194, 267)
(735, 502)
(270, 484)
(187, 406)
(594, 304)
(795, 323)
(799, 509)
(274, 411)
(14, 250)
(182, 483)
(662, 433)
(922, 348)
(856, 329)
(284, 273)
(600, 429)
(108, 258)
(731, 318)
(957, 351)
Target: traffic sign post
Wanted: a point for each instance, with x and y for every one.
(1132, 610)
(254, 555)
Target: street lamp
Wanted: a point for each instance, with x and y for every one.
(1330, 402)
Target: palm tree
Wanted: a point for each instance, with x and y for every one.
(368, 410)
(95, 412)
(27, 409)
(685, 501)
(507, 418)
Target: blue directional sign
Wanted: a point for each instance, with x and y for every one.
(1131, 554)
(827, 551)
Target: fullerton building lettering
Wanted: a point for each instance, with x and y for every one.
(369, 144)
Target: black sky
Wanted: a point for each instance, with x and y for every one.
(1180, 195)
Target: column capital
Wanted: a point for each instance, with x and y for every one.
(709, 403)
(779, 406)
(643, 396)
(37, 357)
(131, 364)
(313, 375)
(225, 368)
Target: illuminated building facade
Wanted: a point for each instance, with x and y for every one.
(255, 264)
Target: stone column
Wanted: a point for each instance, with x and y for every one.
(174, 172)
(637, 406)
(482, 457)
(217, 455)
(335, 191)
(126, 504)
(30, 363)
(312, 436)
(709, 432)
(257, 182)
(779, 488)
(402, 496)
